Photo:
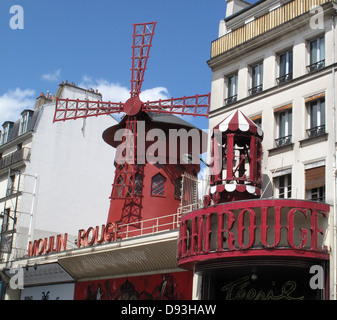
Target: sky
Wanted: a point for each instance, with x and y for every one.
(89, 43)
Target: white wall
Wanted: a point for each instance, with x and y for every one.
(75, 174)
(51, 292)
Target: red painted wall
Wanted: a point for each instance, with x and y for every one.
(168, 286)
(151, 206)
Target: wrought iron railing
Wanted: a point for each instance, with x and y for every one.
(316, 131)
(316, 66)
(255, 90)
(231, 99)
(285, 78)
(283, 141)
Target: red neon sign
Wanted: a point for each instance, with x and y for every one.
(240, 228)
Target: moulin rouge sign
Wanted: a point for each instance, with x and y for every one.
(85, 238)
(232, 227)
(296, 227)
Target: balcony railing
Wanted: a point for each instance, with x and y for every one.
(283, 141)
(316, 131)
(316, 66)
(255, 90)
(260, 25)
(285, 78)
(126, 231)
(15, 157)
(231, 100)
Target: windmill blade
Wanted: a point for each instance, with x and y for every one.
(142, 39)
(67, 109)
(197, 105)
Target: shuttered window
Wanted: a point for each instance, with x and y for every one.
(315, 178)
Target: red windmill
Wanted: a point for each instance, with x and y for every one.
(141, 190)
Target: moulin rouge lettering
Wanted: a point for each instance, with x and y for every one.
(85, 238)
(47, 245)
(220, 229)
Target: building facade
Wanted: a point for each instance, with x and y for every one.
(275, 61)
(41, 163)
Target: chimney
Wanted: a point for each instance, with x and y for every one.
(42, 99)
(234, 6)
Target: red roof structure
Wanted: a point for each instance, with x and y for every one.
(237, 122)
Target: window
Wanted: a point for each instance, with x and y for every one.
(316, 117)
(316, 54)
(23, 123)
(118, 187)
(11, 186)
(5, 220)
(257, 120)
(283, 186)
(4, 135)
(315, 184)
(285, 67)
(138, 184)
(232, 89)
(158, 185)
(256, 79)
(284, 125)
(177, 188)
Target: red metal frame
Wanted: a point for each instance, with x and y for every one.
(142, 42)
(67, 109)
(197, 105)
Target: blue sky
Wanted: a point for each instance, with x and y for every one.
(89, 43)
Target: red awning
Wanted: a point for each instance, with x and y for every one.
(238, 122)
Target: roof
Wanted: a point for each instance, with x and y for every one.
(14, 128)
(168, 118)
(163, 121)
(252, 5)
(238, 122)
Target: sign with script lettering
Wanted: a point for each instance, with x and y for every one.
(266, 283)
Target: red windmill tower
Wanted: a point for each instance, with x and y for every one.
(142, 189)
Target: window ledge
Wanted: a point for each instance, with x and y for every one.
(309, 141)
(277, 150)
(158, 196)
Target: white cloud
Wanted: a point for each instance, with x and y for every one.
(53, 76)
(13, 102)
(113, 91)
(154, 94)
